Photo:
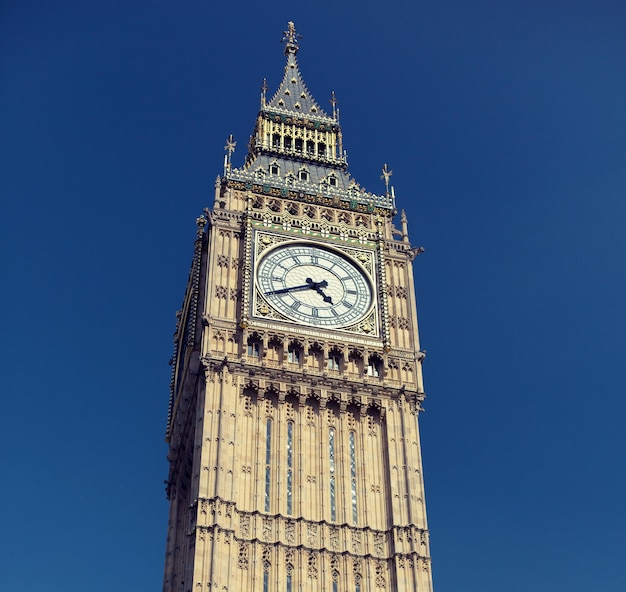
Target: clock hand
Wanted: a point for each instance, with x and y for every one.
(318, 289)
(285, 290)
(326, 298)
(309, 284)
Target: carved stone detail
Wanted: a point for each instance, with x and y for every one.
(357, 541)
(244, 525)
(311, 535)
(290, 533)
(380, 571)
(312, 565)
(334, 538)
(379, 543)
(242, 560)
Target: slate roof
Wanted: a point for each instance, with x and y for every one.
(293, 94)
(318, 173)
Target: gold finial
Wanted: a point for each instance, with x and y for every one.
(291, 38)
(386, 174)
(230, 148)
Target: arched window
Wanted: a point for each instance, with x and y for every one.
(268, 462)
(294, 353)
(303, 175)
(352, 439)
(289, 468)
(254, 347)
(331, 464)
(316, 356)
(374, 366)
(334, 359)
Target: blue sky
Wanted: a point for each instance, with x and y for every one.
(505, 126)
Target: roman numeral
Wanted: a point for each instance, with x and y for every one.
(314, 259)
(296, 305)
(353, 292)
(296, 259)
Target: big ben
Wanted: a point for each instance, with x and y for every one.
(294, 449)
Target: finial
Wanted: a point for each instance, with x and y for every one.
(386, 174)
(200, 223)
(230, 148)
(333, 102)
(405, 226)
(264, 88)
(291, 38)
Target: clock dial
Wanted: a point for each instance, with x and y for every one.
(314, 285)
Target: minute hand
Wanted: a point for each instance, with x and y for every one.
(309, 285)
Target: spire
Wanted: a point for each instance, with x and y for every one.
(293, 94)
(297, 147)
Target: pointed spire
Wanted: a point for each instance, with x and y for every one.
(293, 94)
(296, 145)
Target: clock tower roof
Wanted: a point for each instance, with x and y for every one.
(292, 94)
(297, 147)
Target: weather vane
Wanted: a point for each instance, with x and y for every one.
(230, 148)
(386, 175)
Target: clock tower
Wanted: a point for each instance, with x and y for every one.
(294, 450)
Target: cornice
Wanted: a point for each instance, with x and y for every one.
(303, 382)
(282, 532)
(352, 199)
(308, 121)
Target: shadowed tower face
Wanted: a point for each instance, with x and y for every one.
(294, 449)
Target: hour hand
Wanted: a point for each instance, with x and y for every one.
(321, 292)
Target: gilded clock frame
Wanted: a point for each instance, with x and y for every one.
(364, 259)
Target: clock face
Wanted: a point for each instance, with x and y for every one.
(314, 285)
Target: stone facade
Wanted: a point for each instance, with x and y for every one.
(295, 460)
